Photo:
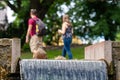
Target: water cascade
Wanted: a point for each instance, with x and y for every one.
(34, 69)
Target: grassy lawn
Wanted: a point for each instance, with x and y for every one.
(78, 53)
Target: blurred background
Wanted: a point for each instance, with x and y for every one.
(93, 20)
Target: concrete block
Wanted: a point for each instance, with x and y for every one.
(102, 50)
(9, 56)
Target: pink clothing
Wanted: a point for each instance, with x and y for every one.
(32, 22)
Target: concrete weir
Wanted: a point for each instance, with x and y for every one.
(33, 69)
(102, 62)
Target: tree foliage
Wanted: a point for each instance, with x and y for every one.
(47, 10)
(95, 18)
(90, 18)
(21, 8)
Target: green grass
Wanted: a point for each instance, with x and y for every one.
(78, 53)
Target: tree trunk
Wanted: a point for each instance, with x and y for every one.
(42, 7)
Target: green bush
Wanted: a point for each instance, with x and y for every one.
(25, 48)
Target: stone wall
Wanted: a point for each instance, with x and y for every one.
(9, 55)
(116, 58)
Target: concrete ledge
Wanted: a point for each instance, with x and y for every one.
(102, 50)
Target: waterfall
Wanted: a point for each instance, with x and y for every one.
(36, 69)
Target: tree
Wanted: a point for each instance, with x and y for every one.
(46, 10)
(53, 21)
(21, 9)
(95, 18)
(90, 18)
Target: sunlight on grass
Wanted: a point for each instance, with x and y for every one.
(78, 53)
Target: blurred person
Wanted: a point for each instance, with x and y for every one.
(66, 32)
(35, 41)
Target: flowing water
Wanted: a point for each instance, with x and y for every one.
(35, 69)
